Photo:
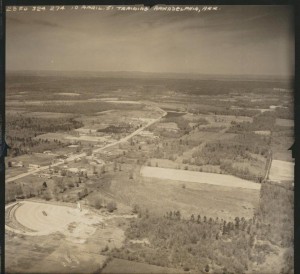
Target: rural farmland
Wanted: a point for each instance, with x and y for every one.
(147, 140)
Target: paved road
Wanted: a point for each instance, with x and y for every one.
(74, 157)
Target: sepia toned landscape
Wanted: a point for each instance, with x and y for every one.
(142, 172)
(152, 168)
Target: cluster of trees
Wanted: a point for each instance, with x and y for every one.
(19, 190)
(224, 153)
(122, 128)
(183, 124)
(59, 191)
(66, 182)
(170, 149)
(218, 227)
(98, 201)
(12, 190)
(31, 127)
(41, 125)
(43, 190)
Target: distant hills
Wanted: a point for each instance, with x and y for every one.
(153, 75)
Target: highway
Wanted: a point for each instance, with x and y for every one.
(74, 157)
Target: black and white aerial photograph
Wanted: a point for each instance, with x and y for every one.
(149, 140)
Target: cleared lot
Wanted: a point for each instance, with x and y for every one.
(198, 177)
(44, 219)
(281, 171)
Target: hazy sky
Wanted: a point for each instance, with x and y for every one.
(233, 40)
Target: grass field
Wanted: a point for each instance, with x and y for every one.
(162, 195)
(198, 177)
(175, 165)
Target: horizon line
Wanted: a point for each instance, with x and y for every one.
(252, 76)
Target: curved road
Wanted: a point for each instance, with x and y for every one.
(74, 157)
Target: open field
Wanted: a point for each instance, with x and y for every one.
(285, 122)
(69, 138)
(281, 144)
(36, 158)
(66, 236)
(15, 171)
(162, 195)
(44, 219)
(198, 177)
(281, 171)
